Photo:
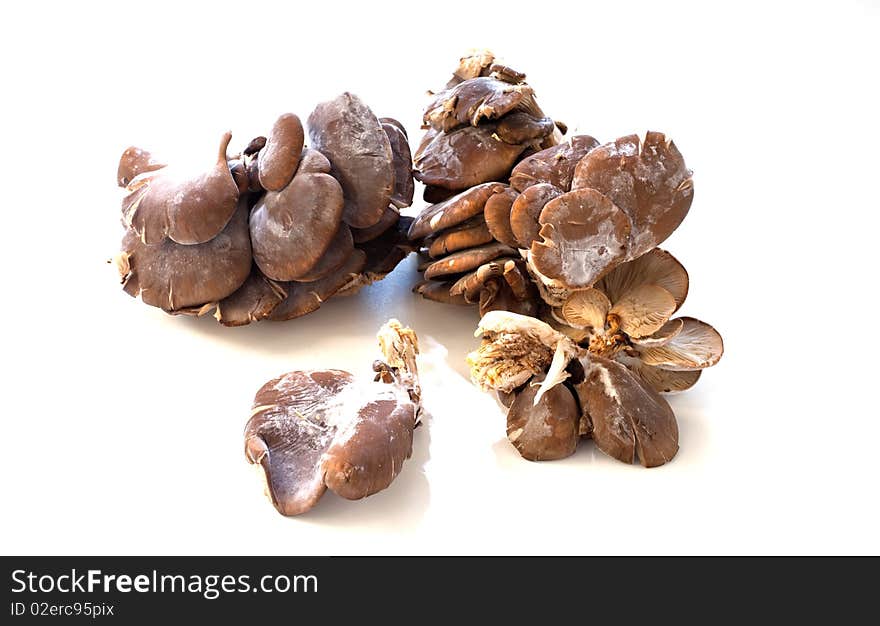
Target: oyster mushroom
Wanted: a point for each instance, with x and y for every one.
(647, 180)
(279, 158)
(164, 202)
(466, 260)
(476, 100)
(526, 209)
(340, 249)
(439, 292)
(319, 429)
(453, 211)
(291, 229)
(347, 132)
(497, 215)
(134, 162)
(401, 160)
(554, 166)
(253, 301)
(174, 276)
(627, 417)
(584, 235)
(303, 298)
(546, 429)
(473, 232)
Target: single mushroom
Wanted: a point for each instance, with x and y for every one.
(310, 430)
(278, 160)
(340, 249)
(467, 260)
(468, 234)
(134, 162)
(545, 429)
(584, 236)
(475, 101)
(627, 417)
(347, 132)
(497, 214)
(453, 211)
(291, 229)
(401, 160)
(647, 180)
(304, 298)
(174, 276)
(168, 203)
(253, 301)
(388, 219)
(438, 291)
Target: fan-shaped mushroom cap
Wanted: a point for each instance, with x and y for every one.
(433, 195)
(277, 162)
(660, 337)
(470, 284)
(524, 128)
(291, 229)
(134, 162)
(546, 429)
(476, 63)
(188, 210)
(656, 267)
(464, 157)
(644, 310)
(649, 182)
(627, 416)
(303, 298)
(388, 219)
(404, 188)
(497, 214)
(586, 309)
(660, 380)
(475, 101)
(396, 123)
(453, 211)
(584, 235)
(253, 301)
(174, 276)
(554, 166)
(526, 209)
(473, 232)
(515, 348)
(467, 260)
(439, 292)
(351, 137)
(341, 247)
(696, 346)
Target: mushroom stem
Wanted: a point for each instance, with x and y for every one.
(224, 146)
(400, 346)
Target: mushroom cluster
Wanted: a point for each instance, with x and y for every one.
(275, 230)
(319, 429)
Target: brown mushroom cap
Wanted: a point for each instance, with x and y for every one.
(696, 346)
(174, 276)
(404, 188)
(649, 182)
(133, 162)
(341, 247)
(279, 159)
(433, 195)
(473, 232)
(545, 430)
(188, 210)
(524, 128)
(554, 166)
(477, 63)
(453, 211)
(497, 295)
(627, 416)
(351, 137)
(475, 101)
(304, 298)
(291, 229)
(396, 123)
(584, 235)
(313, 162)
(388, 219)
(497, 213)
(464, 157)
(253, 301)
(467, 260)
(526, 209)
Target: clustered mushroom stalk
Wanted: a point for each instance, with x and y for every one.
(558, 247)
(275, 230)
(319, 429)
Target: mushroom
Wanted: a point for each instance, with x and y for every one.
(453, 211)
(319, 429)
(477, 100)
(466, 260)
(279, 158)
(473, 232)
(546, 429)
(388, 219)
(291, 229)
(347, 132)
(627, 417)
(648, 181)
(303, 298)
(526, 209)
(401, 161)
(134, 162)
(340, 249)
(174, 276)
(584, 235)
(253, 301)
(439, 292)
(497, 214)
(164, 202)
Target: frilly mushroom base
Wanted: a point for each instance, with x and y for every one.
(276, 230)
(319, 429)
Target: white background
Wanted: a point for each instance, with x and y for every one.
(122, 427)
